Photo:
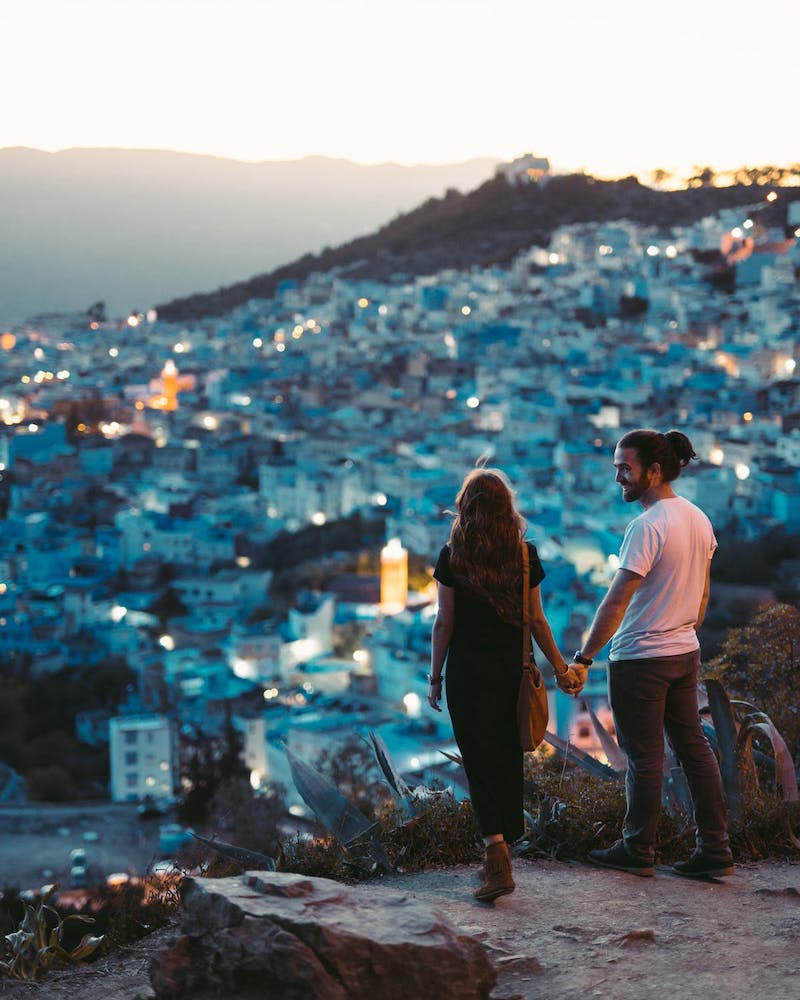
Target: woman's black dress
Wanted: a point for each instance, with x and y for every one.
(483, 667)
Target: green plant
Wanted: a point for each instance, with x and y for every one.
(38, 941)
(442, 832)
(759, 663)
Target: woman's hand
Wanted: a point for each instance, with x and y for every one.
(571, 681)
(435, 694)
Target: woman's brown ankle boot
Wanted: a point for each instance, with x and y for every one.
(497, 880)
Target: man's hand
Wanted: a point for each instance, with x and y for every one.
(572, 681)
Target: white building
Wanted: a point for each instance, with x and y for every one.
(143, 757)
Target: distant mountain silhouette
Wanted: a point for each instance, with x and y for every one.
(484, 227)
(132, 227)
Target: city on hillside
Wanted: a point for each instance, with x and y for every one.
(231, 524)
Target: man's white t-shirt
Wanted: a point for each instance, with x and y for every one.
(670, 545)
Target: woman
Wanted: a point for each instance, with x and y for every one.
(478, 629)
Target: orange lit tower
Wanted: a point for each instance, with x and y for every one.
(394, 577)
(169, 379)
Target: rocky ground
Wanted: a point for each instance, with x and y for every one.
(570, 931)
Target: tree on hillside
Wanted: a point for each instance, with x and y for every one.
(660, 176)
(702, 177)
(760, 663)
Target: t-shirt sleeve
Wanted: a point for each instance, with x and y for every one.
(443, 573)
(536, 568)
(641, 547)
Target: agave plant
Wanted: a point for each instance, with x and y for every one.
(38, 941)
(346, 823)
(736, 723)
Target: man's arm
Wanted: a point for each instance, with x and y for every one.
(607, 620)
(704, 601)
(608, 617)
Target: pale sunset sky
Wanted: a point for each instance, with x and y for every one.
(615, 87)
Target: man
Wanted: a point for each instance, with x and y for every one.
(653, 608)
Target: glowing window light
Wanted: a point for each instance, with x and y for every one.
(473, 402)
(133, 321)
(270, 693)
(297, 332)
(33, 428)
(747, 417)
(257, 342)
(363, 303)
(414, 762)
(318, 518)
(117, 613)
(772, 196)
(383, 310)
(748, 224)
(379, 499)
(742, 471)
(38, 354)
(554, 258)
(280, 348)
(167, 642)
(653, 250)
(412, 704)
(789, 365)
(671, 251)
(113, 352)
(737, 233)
(613, 561)
(716, 456)
(361, 656)
(465, 310)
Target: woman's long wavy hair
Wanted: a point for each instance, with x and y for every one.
(485, 541)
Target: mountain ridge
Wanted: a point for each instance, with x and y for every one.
(486, 226)
(132, 227)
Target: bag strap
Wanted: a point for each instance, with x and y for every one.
(526, 626)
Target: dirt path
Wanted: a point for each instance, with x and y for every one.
(572, 932)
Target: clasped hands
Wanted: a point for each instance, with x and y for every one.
(571, 680)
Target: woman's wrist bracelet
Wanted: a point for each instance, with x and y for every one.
(434, 680)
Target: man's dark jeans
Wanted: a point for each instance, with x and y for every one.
(647, 697)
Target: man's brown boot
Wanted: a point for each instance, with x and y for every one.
(497, 880)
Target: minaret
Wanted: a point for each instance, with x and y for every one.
(169, 378)
(394, 577)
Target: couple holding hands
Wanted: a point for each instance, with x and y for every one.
(651, 613)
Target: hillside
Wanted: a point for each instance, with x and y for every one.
(483, 227)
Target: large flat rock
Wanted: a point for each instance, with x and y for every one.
(276, 934)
